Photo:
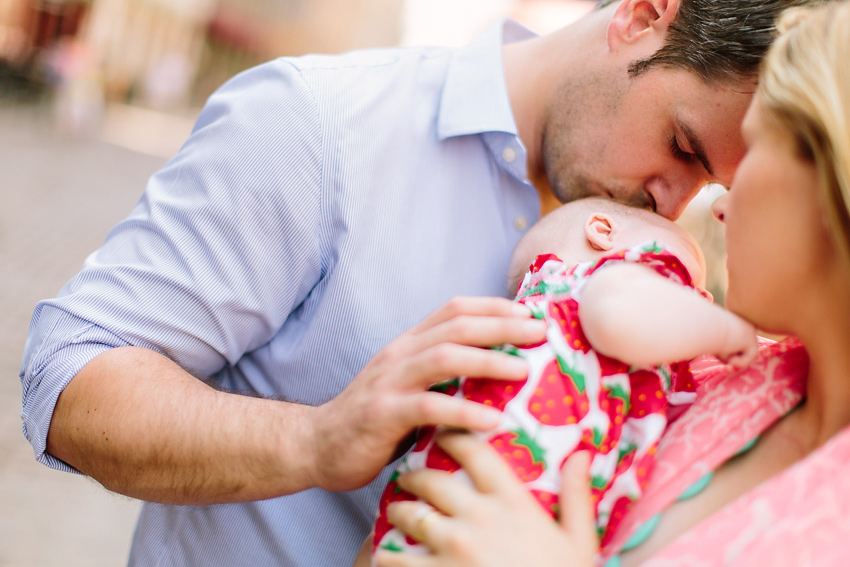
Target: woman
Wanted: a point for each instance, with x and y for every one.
(755, 473)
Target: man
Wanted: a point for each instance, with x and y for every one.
(320, 209)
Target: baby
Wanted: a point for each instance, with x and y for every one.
(621, 291)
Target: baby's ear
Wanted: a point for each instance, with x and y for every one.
(599, 230)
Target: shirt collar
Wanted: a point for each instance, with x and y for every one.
(475, 96)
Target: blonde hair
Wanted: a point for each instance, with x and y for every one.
(805, 85)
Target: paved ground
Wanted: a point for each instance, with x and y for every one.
(59, 197)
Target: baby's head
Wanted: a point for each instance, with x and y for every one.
(587, 229)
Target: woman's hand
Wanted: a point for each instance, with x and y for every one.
(496, 523)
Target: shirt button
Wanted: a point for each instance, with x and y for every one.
(520, 223)
(509, 154)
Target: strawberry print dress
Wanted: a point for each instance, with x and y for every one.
(573, 399)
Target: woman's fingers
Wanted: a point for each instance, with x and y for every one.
(503, 526)
(576, 500)
(419, 520)
(385, 558)
(448, 493)
(485, 468)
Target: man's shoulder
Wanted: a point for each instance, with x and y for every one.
(328, 70)
(350, 81)
(379, 57)
(336, 84)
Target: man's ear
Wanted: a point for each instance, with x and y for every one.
(599, 231)
(635, 19)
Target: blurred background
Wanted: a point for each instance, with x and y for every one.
(95, 96)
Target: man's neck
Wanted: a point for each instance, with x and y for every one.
(534, 70)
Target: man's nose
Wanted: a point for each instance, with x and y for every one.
(671, 203)
(718, 207)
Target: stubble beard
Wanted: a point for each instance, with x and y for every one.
(569, 185)
(568, 175)
(566, 183)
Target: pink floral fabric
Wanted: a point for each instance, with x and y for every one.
(573, 399)
(799, 517)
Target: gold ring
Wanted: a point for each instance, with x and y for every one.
(422, 518)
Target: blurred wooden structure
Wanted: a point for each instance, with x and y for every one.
(167, 54)
(29, 26)
(241, 34)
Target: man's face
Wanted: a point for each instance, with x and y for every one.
(650, 141)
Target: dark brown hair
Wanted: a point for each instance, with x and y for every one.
(719, 40)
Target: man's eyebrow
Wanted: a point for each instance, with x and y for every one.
(696, 147)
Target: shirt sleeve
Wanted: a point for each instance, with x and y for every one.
(227, 239)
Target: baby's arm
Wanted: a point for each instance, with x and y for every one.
(631, 313)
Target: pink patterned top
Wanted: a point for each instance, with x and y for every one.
(799, 517)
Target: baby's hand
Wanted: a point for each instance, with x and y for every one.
(741, 346)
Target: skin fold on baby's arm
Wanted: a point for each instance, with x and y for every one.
(631, 313)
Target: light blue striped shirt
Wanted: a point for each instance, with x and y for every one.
(321, 207)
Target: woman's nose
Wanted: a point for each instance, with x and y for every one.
(718, 207)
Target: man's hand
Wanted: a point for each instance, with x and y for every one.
(356, 433)
(142, 426)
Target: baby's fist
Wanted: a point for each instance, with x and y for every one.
(741, 345)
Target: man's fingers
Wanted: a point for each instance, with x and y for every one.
(433, 408)
(481, 332)
(475, 306)
(448, 360)
(577, 514)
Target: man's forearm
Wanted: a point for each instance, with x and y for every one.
(141, 426)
